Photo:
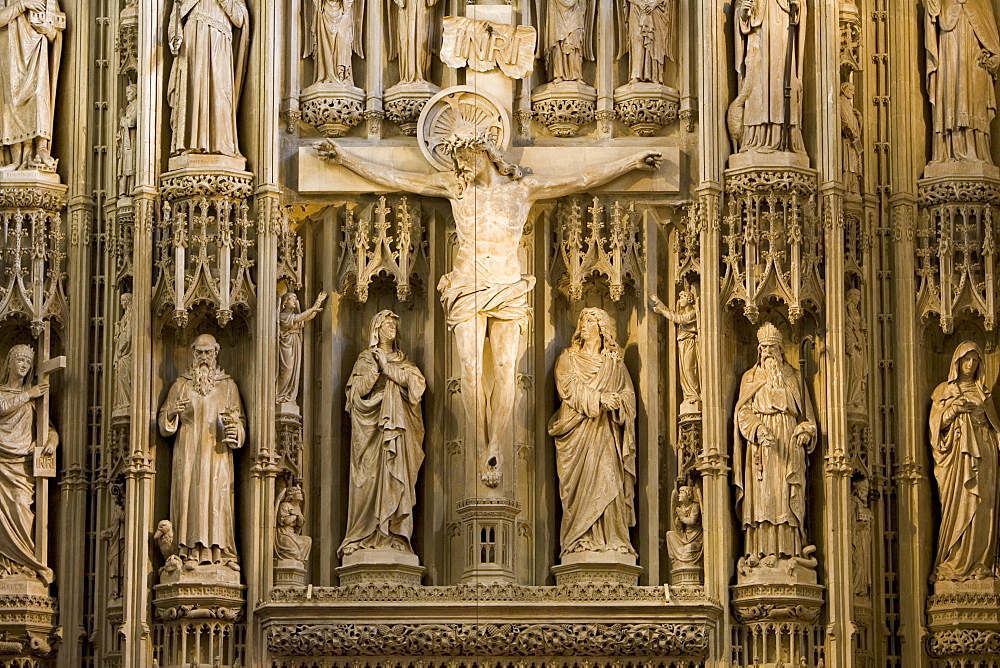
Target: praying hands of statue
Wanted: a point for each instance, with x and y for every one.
(611, 401)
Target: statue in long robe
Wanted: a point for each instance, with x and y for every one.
(686, 541)
(567, 37)
(774, 431)
(412, 29)
(646, 33)
(594, 431)
(291, 322)
(334, 35)
(770, 41)
(962, 51)
(861, 539)
(289, 542)
(206, 75)
(122, 363)
(126, 141)
(203, 408)
(387, 436)
(965, 442)
(17, 449)
(685, 317)
(856, 349)
(31, 44)
(850, 137)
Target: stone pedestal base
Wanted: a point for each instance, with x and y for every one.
(332, 108)
(564, 107)
(963, 619)
(289, 573)
(768, 160)
(488, 529)
(681, 576)
(646, 107)
(28, 622)
(380, 566)
(404, 102)
(599, 567)
(961, 169)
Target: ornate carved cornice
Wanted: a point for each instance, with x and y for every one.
(208, 184)
(964, 642)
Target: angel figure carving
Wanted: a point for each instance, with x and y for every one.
(412, 27)
(333, 35)
(646, 34)
(567, 36)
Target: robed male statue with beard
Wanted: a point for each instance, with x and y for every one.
(203, 409)
(775, 430)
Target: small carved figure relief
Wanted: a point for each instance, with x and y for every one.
(485, 296)
(770, 41)
(291, 322)
(861, 539)
(31, 39)
(962, 50)
(387, 436)
(647, 35)
(333, 36)
(685, 316)
(112, 535)
(203, 409)
(850, 135)
(207, 74)
(567, 37)
(126, 141)
(856, 347)
(289, 543)
(412, 30)
(594, 431)
(122, 363)
(166, 542)
(685, 542)
(965, 441)
(775, 430)
(17, 482)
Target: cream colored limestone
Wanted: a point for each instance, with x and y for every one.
(291, 321)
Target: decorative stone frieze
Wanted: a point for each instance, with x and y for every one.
(332, 108)
(646, 108)
(564, 107)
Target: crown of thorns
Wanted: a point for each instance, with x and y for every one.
(477, 140)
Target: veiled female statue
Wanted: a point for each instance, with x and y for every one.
(17, 448)
(333, 36)
(594, 431)
(965, 441)
(962, 50)
(387, 436)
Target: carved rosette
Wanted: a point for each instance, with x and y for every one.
(646, 108)
(957, 232)
(404, 102)
(662, 640)
(333, 109)
(772, 240)
(203, 243)
(564, 107)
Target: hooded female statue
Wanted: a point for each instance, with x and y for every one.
(387, 435)
(594, 430)
(965, 440)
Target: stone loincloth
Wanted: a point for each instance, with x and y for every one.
(464, 299)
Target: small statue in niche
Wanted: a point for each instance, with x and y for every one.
(567, 37)
(861, 538)
(333, 36)
(856, 348)
(647, 35)
(965, 441)
(289, 543)
(685, 316)
(126, 141)
(775, 430)
(123, 358)
(31, 38)
(594, 431)
(291, 322)
(850, 134)
(112, 535)
(411, 36)
(770, 42)
(685, 542)
(962, 50)
(387, 436)
(17, 446)
(207, 74)
(203, 408)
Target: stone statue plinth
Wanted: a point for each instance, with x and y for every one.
(28, 621)
(488, 527)
(332, 108)
(646, 107)
(599, 567)
(751, 159)
(290, 573)
(404, 102)
(963, 619)
(380, 566)
(961, 170)
(685, 575)
(564, 106)
(782, 617)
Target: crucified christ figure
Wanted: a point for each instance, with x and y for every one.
(485, 296)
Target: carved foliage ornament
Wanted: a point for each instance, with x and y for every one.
(670, 639)
(32, 257)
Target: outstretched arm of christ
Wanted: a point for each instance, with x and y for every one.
(432, 185)
(559, 186)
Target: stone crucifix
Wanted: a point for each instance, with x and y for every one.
(485, 296)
